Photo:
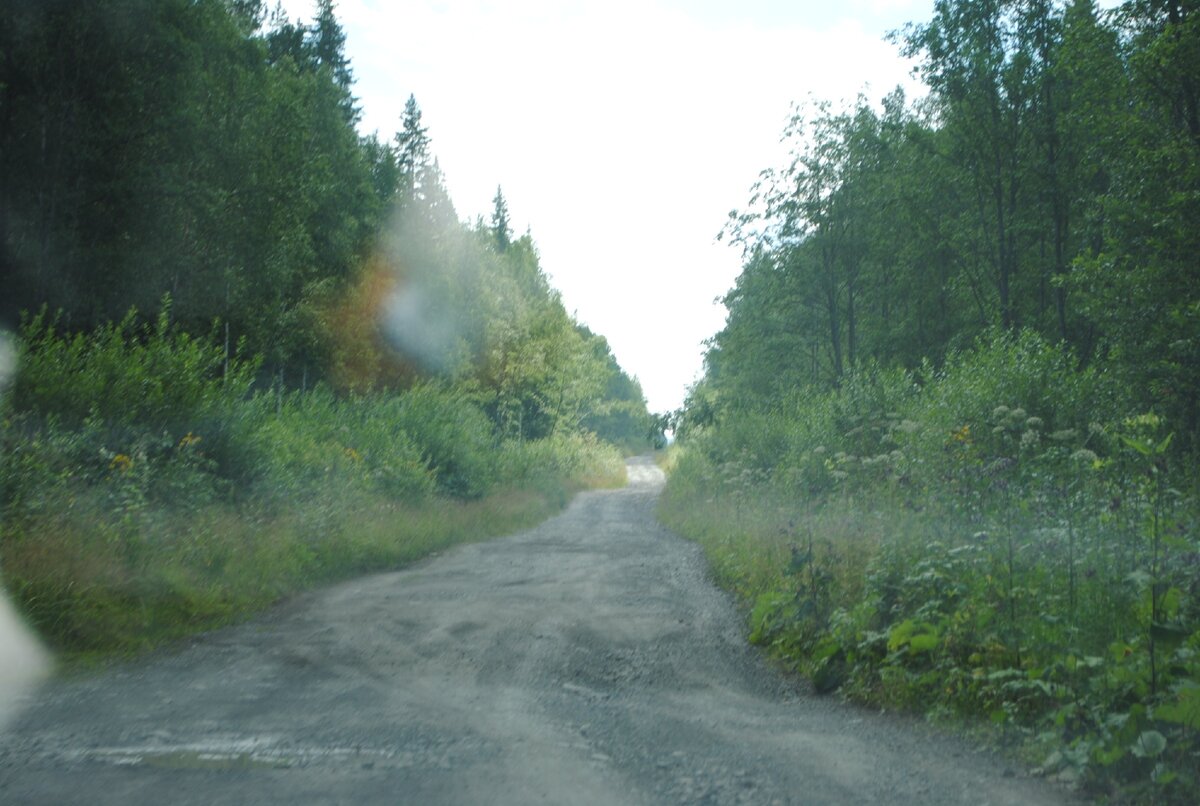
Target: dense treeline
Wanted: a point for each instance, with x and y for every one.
(1049, 182)
(201, 152)
(255, 348)
(173, 147)
(945, 442)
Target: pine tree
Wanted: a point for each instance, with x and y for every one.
(412, 147)
(328, 46)
(285, 39)
(500, 222)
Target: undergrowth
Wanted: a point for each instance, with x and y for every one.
(999, 542)
(150, 491)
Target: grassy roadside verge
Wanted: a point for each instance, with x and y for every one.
(872, 601)
(931, 547)
(93, 597)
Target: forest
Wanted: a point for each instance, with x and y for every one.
(945, 446)
(255, 349)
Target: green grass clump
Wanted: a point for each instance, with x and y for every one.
(999, 543)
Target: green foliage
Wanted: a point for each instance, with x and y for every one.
(1022, 243)
(98, 575)
(963, 353)
(454, 437)
(177, 155)
(1025, 371)
(579, 456)
(152, 375)
(315, 441)
(999, 541)
(216, 176)
(415, 381)
(149, 491)
(1048, 184)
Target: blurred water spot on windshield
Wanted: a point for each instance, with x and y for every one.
(23, 661)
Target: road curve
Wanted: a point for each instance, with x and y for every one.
(586, 661)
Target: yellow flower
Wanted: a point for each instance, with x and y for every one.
(188, 441)
(121, 462)
(962, 435)
(353, 454)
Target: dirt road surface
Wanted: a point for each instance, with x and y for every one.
(588, 661)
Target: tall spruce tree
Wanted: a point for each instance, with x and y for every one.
(501, 229)
(328, 44)
(412, 151)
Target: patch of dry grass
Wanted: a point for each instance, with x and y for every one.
(95, 585)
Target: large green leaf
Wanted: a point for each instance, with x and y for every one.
(1185, 710)
(1149, 744)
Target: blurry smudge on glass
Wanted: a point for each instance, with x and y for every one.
(23, 661)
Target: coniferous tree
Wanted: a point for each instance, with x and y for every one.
(328, 44)
(500, 224)
(412, 151)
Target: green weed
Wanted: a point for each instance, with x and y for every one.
(997, 542)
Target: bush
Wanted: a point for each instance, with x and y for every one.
(1005, 541)
(580, 458)
(1005, 374)
(453, 435)
(305, 442)
(125, 374)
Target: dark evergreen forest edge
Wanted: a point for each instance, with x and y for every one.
(255, 350)
(945, 447)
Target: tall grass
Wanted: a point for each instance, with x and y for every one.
(997, 540)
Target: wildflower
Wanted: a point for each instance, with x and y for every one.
(1034, 422)
(121, 463)
(962, 435)
(1018, 414)
(1029, 439)
(1065, 435)
(189, 440)
(353, 455)
(1085, 456)
(999, 412)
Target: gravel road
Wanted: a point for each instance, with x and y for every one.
(586, 661)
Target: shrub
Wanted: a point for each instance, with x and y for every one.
(1003, 541)
(151, 376)
(453, 435)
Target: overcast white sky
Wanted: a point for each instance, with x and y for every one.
(622, 132)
